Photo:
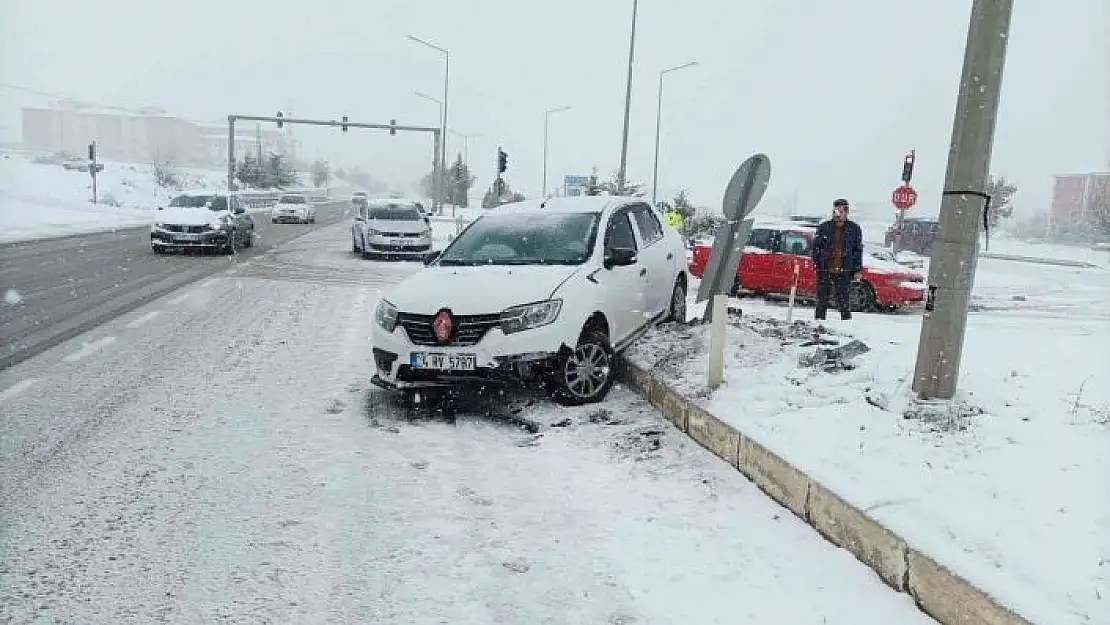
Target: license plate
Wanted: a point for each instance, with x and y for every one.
(397, 242)
(442, 362)
(187, 237)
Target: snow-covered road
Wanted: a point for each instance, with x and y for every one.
(218, 456)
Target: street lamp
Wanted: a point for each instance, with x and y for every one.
(443, 119)
(466, 143)
(436, 100)
(627, 101)
(658, 121)
(546, 115)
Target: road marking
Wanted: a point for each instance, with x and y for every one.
(145, 318)
(180, 299)
(208, 283)
(89, 348)
(16, 389)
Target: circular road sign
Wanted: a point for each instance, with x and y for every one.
(904, 197)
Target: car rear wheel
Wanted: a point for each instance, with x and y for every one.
(861, 297)
(677, 310)
(584, 374)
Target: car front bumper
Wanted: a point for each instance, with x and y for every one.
(208, 239)
(901, 294)
(498, 357)
(289, 217)
(383, 244)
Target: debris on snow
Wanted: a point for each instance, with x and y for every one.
(834, 359)
(12, 297)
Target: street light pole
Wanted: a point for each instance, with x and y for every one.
(623, 171)
(546, 115)
(956, 249)
(443, 121)
(658, 125)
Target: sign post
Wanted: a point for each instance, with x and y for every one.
(92, 169)
(904, 197)
(744, 191)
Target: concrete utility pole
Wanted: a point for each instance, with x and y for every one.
(955, 252)
(623, 171)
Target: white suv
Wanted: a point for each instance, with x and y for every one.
(536, 291)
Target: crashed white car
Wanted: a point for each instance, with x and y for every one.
(202, 221)
(545, 291)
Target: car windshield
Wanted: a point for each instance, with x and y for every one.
(191, 201)
(293, 199)
(525, 239)
(395, 212)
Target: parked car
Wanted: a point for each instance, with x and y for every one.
(204, 222)
(293, 208)
(773, 249)
(906, 259)
(537, 291)
(391, 227)
(915, 234)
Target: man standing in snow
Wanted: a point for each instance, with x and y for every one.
(838, 255)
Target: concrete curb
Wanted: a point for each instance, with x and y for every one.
(936, 590)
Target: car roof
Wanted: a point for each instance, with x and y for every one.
(379, 202)
(581, 204)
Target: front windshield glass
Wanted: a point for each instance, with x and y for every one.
(191, 201)
(525, 239)
(395, 212)
(292, 199)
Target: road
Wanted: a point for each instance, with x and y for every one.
(71, 284)
(217, 455)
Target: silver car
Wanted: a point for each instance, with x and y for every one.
(391, 227)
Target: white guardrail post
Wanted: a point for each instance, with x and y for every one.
(717, 340)
(793, 294)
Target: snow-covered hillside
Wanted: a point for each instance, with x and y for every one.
(40, 199)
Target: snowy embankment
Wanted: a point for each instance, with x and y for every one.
(1007, 485)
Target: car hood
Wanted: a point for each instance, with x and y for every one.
(486, 289)
(182, 216)
(393, 225)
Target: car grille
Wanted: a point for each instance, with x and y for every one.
(187, 229)
(469, 328)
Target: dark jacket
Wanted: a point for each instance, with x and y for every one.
(853, 245)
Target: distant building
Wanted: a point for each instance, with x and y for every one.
(1078, 202)
(144, 135)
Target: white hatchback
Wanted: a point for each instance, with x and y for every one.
(391, 227)
(293, 208)
(545, 291)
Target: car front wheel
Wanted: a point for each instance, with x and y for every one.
(584, 374)
(861, 297)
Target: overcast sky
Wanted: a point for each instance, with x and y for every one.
(834, 92)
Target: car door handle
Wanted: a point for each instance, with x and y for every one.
(643, 271)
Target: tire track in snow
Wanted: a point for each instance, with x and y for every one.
(87, 349)
(16, 389)
(143, 319)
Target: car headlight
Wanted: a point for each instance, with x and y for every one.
(156, 225)
(529, 316)
(386, 315)
(216, 225)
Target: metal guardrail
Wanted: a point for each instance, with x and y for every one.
(1040, 261)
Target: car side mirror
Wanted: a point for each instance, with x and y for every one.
(619, 257)
(431, 257)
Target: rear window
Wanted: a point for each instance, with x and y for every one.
(293, 199)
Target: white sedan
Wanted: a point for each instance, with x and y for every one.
(548, 291)
(293, 208)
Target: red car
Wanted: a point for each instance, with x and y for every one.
(767, 266)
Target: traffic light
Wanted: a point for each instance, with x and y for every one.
(92, 151)
(279, 118)
(502, 161)
(344, 125)
(393, 127)
(907, 167)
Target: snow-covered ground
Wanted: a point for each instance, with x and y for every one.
(218, 456)
(1010, 485)
(38, 200)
